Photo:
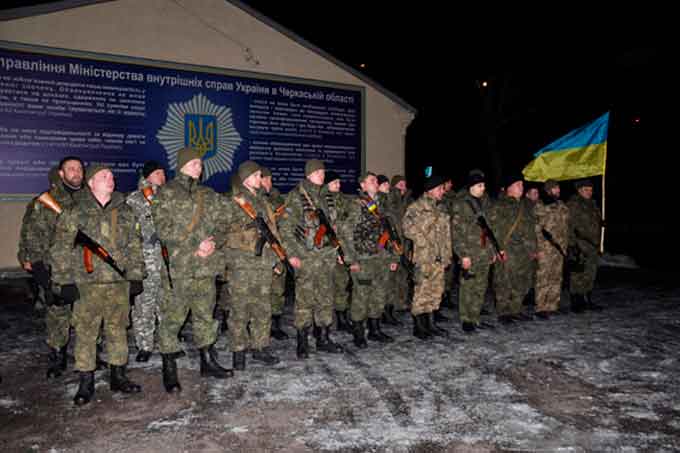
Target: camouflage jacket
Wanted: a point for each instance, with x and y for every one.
(514, 226)
(585, 221)
(142, 209)
(186, 213)
(39, 224)
(274, 198)
(554, 217)
(468, 240)
(430, 230)
(300, 223)
(362, 230)
(399, 203)
(114, 227)
(242, 234)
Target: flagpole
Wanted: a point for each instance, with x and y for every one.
(603, 212)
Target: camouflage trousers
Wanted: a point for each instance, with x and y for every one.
(512, 281)
(314, 289)
(584, 282)
(370, 289)
(145, 311)
(58, 323)
(549, 280)
(473, 291)
(429, 287)
(399, 286)
(107, 302)
(340, 293)
(189, 294)
(277, 294)
(251, 304)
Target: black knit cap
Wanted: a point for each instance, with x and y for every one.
(475, 177)
(433, 181)
(151, 166)
(512, 178)
(382, 179)
(330, 176)
(585, 182)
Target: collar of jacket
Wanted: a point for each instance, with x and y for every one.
(311, 188)
(187, 182)
(86, 197)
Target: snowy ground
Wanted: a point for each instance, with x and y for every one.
(591, 382)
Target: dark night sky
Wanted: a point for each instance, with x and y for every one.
(554, 70)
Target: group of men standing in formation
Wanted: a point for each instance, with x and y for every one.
(355, 260)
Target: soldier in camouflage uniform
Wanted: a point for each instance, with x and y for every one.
(37, 236)
(532, 197)
(370, 261)
(384, 199)
(446, 204)
(278, 296)
(552, 215)
(585, 221)
(250, 275)
(399, 200)
(313, 263)
(429, 227)
(338, 204)
(145, 310)
(102, 294)
(515, 229)
(190, 224)
(474, 249)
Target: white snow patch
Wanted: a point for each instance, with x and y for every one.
(643, 415)
(621, 261)
(9, 402)
(184, 419)
(237, 429)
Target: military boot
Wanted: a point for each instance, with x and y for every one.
(439, 317)
(302, 350)
(316, 331)
(374, 332)
(85, 388)
(239, 360)
(277, 332)
(119, 381)
(170, 380)
(209, 365)
(265, 356)
(419, 329)
(590, 305)
(325, 344)
(56, 362)
(344, 324)
(578, 303)
(432, 326)
(359, 335)
(388, 316)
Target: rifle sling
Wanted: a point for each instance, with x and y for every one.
(514, 226)
(195, 218)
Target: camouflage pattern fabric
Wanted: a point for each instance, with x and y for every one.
(554, 217)
(107, 302)
(313, 281)
(468, 242)
(338, 205)
(430, 230)
(278, 284)
(37, 236)
(250, 276)
(585, 221)
(145, 310)
(515, 229)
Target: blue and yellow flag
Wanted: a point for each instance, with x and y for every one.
(579, 154)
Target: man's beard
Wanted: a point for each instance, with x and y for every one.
(72, 185)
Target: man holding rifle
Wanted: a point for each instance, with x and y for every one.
(251, 239)
(96, 260)
(37, 236)
(313, 253)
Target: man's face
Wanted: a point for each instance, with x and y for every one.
(370, 185)
(157, 177)
(334, 186)
(401, 185)
(254, 181)
(193, 168)
(438, 192)
(448, 185)
(478, 189)
(102, 182)
(586, 192)
(515, 189)
(266, 182)
(555, 192)
(532, 194)
(72, 173)
(384, 187)
(317, 177)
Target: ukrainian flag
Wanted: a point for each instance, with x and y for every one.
(579, 154)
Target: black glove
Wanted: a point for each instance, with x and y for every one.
(136, 288)
(70, 293)
(41, 274)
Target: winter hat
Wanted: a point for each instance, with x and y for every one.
(313, 165)
(93, 169)
(475, 177)
(433, 181)
(265, 172)
(151, 166)
(246, 169)
(186, 155)
(512, 178)
(549, 184)
(331, 176)
(585, 182)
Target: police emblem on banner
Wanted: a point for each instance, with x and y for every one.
(204, 126)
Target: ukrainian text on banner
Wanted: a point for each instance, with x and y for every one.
(123, 111)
